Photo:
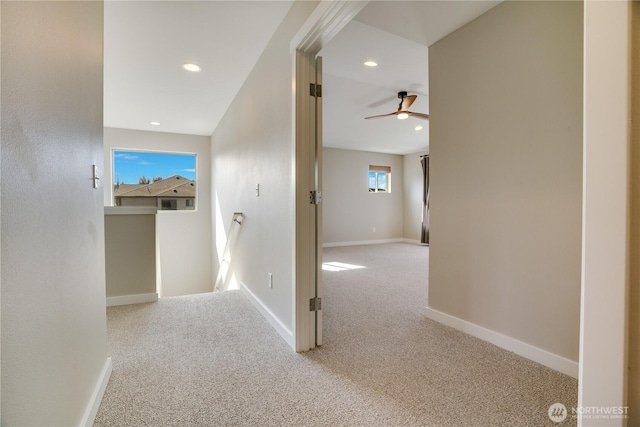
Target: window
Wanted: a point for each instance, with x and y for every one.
(379, 179)
(169, 204)
(164, 180)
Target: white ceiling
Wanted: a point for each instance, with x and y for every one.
(352, 91)
(147, 41)
(395, 34)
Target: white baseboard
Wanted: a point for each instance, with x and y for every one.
(544, 357)
(371, 242)
(132, 299)
(96, 397)
(413, 242)
(361, 242)
(282, 329)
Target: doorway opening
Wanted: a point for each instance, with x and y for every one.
(381, 217)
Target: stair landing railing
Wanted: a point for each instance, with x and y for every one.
(222, 280)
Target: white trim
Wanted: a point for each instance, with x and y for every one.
(544, 357)
(130, 210)
(327, 19)
(367, 242)
(605, 208)
(96, 397)
(132, 299)
(414, 242)
(305, 244)
(268, 314)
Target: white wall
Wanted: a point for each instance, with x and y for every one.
(413, 183)
(351, 213)
(606, 192)
(184, 237)
(253, 144)
(54, 347)
(506, 174)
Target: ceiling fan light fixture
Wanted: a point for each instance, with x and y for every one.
(194, 68)
(403, 112)
(371, 63)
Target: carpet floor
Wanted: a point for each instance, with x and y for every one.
(213, 360)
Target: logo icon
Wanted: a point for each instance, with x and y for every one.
(557, 412)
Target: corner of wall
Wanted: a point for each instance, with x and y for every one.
(412, 200)
(98, 392)
(276, 323)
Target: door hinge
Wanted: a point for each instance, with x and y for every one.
(315, 197)
(315, 90)
(315, 304)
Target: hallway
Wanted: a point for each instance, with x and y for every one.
(212, 359)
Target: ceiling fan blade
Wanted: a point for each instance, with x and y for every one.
(407, 101)
(418, 115)
(395, 113)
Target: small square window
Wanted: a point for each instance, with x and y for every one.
(379, 179)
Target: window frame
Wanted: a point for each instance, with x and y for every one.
(173, 204)
(379, 171)
(148, 151)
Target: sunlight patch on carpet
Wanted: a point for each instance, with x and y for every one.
(340, 266)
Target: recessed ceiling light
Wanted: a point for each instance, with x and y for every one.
(154, 123)
(371, 64)
(418, 127)
(192, 67)
(402, 116)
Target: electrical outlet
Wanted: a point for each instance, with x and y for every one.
(270, 280)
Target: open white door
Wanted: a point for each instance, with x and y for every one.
(308, 157)
(325, 22)
(318, 205)
(308, 202)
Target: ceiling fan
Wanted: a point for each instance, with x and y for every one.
(403, 109)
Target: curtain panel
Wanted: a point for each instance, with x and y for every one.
(424, 236)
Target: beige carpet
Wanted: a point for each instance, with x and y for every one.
(211, 359)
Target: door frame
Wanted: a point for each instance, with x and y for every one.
(321, 26)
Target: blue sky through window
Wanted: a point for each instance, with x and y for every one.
(372, 181)
(382, 181)
(129, 166)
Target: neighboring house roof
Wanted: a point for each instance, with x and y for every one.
(124, 188)
(175, 186)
